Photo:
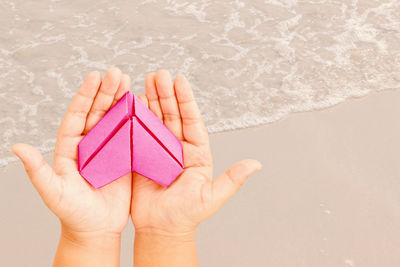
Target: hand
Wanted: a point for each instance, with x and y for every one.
(194, 196)
(84, 212)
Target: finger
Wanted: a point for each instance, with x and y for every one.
(168, 102)
(193, 128)
(144, 100)
(74, 120)
(227, 184)
(42, 176)
(152, 96)
(104, 97)
(124, 87)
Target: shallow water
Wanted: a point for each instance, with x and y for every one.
(250, 62)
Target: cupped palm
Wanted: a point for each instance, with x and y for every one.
(194, 195)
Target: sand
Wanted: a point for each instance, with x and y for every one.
(328, 195)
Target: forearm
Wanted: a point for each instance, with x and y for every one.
(161, 250)
(87, 250)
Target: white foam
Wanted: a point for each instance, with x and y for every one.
(249, 62)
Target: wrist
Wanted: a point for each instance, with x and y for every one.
(166, 231)
(156, 239)
(98, 240)
(157, 248)
(87, 249)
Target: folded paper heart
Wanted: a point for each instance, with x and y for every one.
(129, 138)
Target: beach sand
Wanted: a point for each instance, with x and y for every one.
(328, 195)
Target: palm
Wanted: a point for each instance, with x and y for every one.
(79, 206)
(194, 196)
(181, 204)
(82, 208)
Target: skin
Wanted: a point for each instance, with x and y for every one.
(91, 220)
(165, 219)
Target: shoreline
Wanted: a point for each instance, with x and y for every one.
(14, 160)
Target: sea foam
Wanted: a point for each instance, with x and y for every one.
(249, 62)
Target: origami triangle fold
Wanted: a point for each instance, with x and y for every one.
(145, 149)
(129, 138)
(112, 160)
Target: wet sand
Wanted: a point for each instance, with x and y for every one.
(328, 195)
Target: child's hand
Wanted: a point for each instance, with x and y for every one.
(194, 196)
(85, 213)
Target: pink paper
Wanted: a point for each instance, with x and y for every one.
(160, 131)
(104, 129)
(150, 159)
(110, 162)
(129, 138)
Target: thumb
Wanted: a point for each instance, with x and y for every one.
(228, 183)
(40, 173)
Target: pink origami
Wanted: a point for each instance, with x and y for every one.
(129, 138)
